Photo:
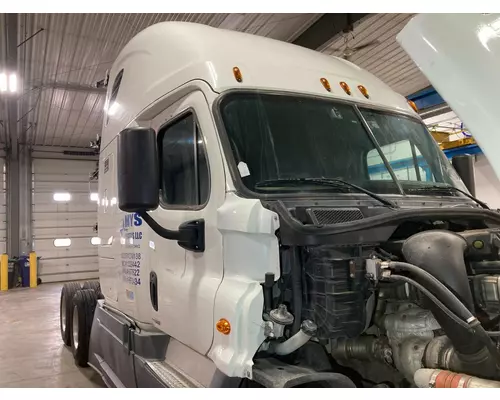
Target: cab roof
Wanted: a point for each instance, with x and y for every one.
(167, 55)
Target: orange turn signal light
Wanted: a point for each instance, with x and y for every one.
(346, 88)
(363, 91)
(326, 84)
(237, 74)
(223, 326)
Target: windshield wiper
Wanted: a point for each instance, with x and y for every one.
(331, 182)
(449, 188)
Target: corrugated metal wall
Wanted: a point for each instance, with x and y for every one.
(54, 222)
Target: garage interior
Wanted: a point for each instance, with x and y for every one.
(51, 115)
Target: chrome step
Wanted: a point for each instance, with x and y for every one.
(171, 376)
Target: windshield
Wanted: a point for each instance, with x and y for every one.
(281, 142)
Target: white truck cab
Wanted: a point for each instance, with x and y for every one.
(259, 205)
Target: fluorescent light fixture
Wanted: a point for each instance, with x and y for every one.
(62, 196)
(66, 242)
(3, 82)
(113, 109)
(13, 83)
(94, 197)
(95, 240)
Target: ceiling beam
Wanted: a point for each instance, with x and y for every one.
(72, 87)
(426, 98)
(12, 67)
(325, 29)
(434, 111)
(13, 185)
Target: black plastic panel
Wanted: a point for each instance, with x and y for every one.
(329, 216)
(335, 292)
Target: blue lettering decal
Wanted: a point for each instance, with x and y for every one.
(130, 220)
(137, 220)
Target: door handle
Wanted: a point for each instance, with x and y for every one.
(153, 290)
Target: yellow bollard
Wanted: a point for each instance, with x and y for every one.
(33, 270)
(4, 272)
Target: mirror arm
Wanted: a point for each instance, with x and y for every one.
(190, 236)
(159, 230)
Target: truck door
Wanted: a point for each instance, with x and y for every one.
(183, 283)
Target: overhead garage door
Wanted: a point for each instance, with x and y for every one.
(64, 216)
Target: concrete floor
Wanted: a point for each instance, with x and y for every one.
(32, 353)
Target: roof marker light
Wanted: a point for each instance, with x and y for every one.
(346, 88)
(363, 91)
(326, 84)
(413, 105)
(237, 74)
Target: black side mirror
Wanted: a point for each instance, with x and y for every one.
(464, 165)
(138, 170)
(139, 186)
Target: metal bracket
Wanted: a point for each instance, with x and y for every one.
(272, 373)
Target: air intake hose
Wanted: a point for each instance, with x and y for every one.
(441, 253)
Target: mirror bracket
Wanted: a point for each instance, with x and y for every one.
(190, 236)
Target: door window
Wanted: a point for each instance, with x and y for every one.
(185, 180)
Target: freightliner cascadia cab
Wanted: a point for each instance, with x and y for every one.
(272, 216)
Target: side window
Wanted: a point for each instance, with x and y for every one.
(114, 94)
(185, 179)
(405, 159)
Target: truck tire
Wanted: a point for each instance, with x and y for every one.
(66, 310)
(84, 303)
(94, 285)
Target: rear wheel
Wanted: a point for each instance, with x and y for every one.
(94, 285)
(84, 303)
(66, 310)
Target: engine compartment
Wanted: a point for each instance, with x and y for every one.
(367, 290)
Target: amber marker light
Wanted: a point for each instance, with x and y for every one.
(346, 88)
(326, 84)
(364, 91)
(237, 74)
(413, 105)
(223, 326)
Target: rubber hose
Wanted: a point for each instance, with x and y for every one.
(479, 331)
(475, 328)
(432, 298)
(296, 274)
(292, 344)
(440, 289)
(306, 332)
